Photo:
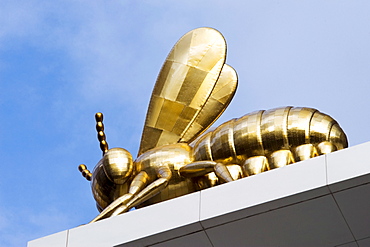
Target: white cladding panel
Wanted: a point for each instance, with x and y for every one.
(319, 202)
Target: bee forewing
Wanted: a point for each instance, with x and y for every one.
(183, 86)
(216, 104)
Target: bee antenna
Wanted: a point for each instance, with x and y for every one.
(85, 172)
(101, 134)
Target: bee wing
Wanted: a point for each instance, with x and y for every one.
(183, 86)
(216, 104)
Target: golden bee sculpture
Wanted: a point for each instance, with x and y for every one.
(193, 88)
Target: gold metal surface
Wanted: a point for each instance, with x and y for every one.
(193, 88)
(304, 152)
(255, 165)
(85, 172)
(183, 87)
(326, 147)
(280, 158)
(101, 135)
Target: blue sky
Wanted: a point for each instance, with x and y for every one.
(62, 61)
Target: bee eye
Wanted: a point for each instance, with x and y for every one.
(118, 165)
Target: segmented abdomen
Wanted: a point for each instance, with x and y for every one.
(263, 132)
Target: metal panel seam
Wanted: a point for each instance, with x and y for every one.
(67, 238)
(204, 230)
(326, 173)
(332, 195)
(344, 218)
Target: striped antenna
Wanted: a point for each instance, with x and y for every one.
(101, 134)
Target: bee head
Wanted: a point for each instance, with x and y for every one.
(118, 165)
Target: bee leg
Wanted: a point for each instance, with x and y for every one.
(164, 173)
(107, 212)
(280, 158)
(223, 173)
(325, 147)
(255, 165)
(197, 169)
(201, 168)
(137, 184)
(304, 152)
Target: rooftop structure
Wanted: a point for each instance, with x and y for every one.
(323, 201)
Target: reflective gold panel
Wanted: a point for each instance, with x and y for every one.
(216, 104)
(183, 87)
(304, 152)
(255, 165)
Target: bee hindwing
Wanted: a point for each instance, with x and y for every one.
(183, 87)
(216, 104)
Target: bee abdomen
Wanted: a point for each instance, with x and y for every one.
(263, 132)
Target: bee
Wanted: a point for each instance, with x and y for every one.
(192, 90)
